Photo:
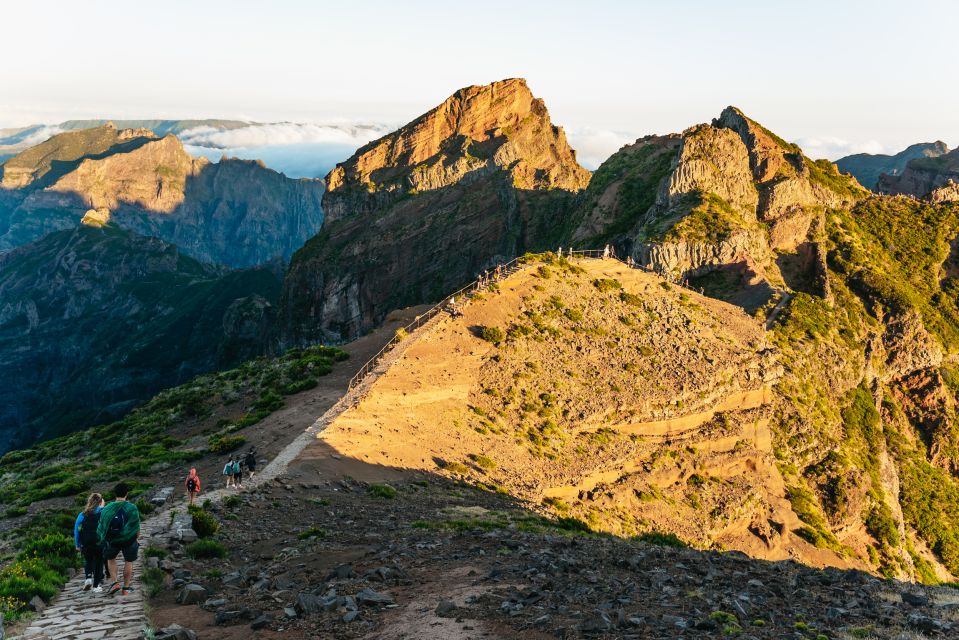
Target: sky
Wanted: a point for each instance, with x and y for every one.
(838, 77)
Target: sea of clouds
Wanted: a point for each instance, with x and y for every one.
(299, 150)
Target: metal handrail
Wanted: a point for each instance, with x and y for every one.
(481, 284)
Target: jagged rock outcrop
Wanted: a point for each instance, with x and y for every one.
(478, 130)
(236, 213)
(926, 177)
(94, 320)
(418, 213)
(867, 167)
(909, 346)
(720, 182)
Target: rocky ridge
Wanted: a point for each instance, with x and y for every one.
(731, 196)
(236, 213)
(419, 212)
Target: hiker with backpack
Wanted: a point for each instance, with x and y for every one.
(250, 462)
(117, 531)
(192, 484)
(85, 539)
(237, 474)
(228, 472)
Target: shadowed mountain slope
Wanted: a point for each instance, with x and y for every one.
(236, 213)
(95, 320)
(419, 212)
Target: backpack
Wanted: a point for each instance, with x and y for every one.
(236, 468)
(88, 530)
(191, 484)
(117, 523)
(250, 460)
(228, 469)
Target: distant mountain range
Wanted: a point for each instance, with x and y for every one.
(867, 167)
(295, 149)
(235, 212)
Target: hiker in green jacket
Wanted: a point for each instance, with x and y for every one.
(117, 532)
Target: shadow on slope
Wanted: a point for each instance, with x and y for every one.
(454, 560)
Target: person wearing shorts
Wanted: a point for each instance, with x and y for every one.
(117, 531)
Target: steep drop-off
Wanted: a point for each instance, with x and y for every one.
(94, 320)
(419, 212)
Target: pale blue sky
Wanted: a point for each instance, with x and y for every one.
(852, 75)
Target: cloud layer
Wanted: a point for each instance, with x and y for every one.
(834, 148)
(299, 150)
(593, 146)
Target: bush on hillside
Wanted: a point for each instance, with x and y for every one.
(206, 548)
(493, 334)
(204, 523)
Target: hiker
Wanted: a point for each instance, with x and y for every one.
(85, 539)
(606, 251)
(228, 472)
(251, 462)
(192, 484)
(237, 474)
(450, 309)
(117, 531)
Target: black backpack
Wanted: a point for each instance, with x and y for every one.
(117, 523)
(250, 460)
(191, 485)
(88, 530)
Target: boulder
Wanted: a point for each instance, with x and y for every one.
(307, 604)
(192, 594)
(37, 604)
(175, 632)
(161, 496)
(375, 598)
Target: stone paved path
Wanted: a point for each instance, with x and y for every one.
(83, 615)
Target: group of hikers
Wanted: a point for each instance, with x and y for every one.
(103, 531)
(233, 469)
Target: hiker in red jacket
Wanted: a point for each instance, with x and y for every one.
(192, 484)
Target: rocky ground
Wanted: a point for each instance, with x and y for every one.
(315, 557)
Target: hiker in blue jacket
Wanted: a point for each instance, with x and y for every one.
(85, 539)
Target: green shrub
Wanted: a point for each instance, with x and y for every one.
(152, 580)
(483, 461)
(493, 334)
(631, 299)
(456, 467)
(661, 539)
(312, 532)
(299, 385)
(607, 284)
(207, 548)
(382, 491)
(567, 523)
(225, 444)
(205, 524)
(232, 501)
(155, 552)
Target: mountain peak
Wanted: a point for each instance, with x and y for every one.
(500, 126)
